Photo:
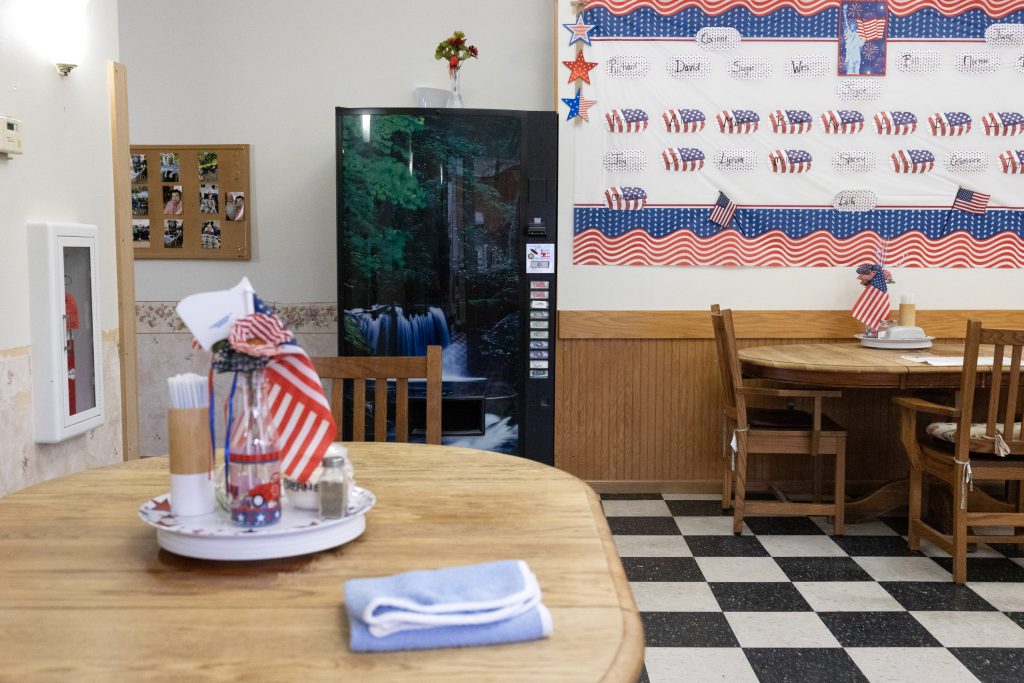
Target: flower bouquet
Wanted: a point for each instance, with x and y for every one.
(455, 51)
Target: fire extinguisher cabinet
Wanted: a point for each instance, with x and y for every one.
(67, 377)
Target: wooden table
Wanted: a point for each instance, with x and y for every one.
(852, 366)
(86, 593)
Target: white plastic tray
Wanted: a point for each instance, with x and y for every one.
(873, 343)
(216, 537)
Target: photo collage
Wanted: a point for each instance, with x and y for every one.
(189, 208)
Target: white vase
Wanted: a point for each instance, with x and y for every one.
(455, 94)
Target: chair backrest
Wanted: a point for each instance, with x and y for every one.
(380, 369)
(729, 364)
(1003, 406)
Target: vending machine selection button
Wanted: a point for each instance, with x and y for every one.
(539, 344)
(539, 315)
(540, 304)
(538, 374)
(540, 295)
(538, 364)
(539, 334)
(540, 324)
(538, 355)
(540, 284)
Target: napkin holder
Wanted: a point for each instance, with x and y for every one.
(191, 461)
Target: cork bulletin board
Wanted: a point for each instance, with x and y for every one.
(190, 202)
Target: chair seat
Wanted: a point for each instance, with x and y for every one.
(943, 437)
(786, 419)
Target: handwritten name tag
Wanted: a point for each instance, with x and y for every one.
(977, 61)
(718, 38)
(808, 66)
(627, 66)
(734, 160)
(849, 201)
(853, 161)
(689, 66)
(918, 61)
(750, 68)
(858, 90)
(967, 161)
(1005, 35)
(625, 160)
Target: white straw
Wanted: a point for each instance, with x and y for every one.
(906, 298)
(188, 391)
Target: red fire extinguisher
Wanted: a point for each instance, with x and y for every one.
(70, 323)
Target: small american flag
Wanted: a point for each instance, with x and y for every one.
(1012, 161)
(1003, 123)
(683, 120)
(626, 120)
(895, 123)
(738, 121)
(790, 161)
(625, 198)
(723, 211)
(683, 159)
(950, 123)
(871, 29)
(912, 161)
(790, 121)
(971, 201)
(298, 407)
(872, 306)
(842, 121)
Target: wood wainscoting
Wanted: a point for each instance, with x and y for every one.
(639, 398)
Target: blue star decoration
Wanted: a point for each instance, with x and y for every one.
(580, 31)
(574, 104)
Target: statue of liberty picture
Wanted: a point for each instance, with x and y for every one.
(862, 37)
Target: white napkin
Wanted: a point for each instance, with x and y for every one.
(209, 315)
(951, 361)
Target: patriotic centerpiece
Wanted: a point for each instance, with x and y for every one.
(278, 419)
(873, 306)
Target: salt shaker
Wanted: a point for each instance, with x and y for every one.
(333, 487)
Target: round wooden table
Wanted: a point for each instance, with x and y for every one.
(86, 593)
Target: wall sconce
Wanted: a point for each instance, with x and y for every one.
(64, 69)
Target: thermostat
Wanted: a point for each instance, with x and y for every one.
(10, 135)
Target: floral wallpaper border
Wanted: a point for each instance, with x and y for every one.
(159, 317)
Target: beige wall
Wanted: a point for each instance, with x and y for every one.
(64, 175)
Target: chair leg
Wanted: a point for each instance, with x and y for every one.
(959, 531)
(727, 485)
(839, 521)
(740, 495)
(816, 492)
(1019, 530)
(914, 509)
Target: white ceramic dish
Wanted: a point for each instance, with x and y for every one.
(216, 537)
(873, 343)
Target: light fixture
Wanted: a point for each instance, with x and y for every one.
(64, 69)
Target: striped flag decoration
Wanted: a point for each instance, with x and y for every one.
(299, 408)
(723, 211)
(683, 159)
(950, 123)
(971, 201)
(790, 121)
(872, 306)
(790, 161)
(842, 121)
(625, 198)
(1012, 161)
(912, 161)
(1003, 123)
(683, 120)
(871, 29)
(732, 121)
(626, 120)
(895, 123)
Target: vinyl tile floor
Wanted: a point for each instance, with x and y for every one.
(785, 601)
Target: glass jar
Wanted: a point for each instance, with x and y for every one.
(333, 486)
(455, 93)
(254, 461)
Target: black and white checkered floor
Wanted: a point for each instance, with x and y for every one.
(785, 601)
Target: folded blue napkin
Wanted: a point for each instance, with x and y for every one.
(483, 604)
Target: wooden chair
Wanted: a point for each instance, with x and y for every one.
(381, 369)
(960, 455)
(774, 431)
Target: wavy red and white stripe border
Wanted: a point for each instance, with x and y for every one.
(994, 8)
(774, 248)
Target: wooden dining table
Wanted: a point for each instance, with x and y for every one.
(854, 366)
(87, 594)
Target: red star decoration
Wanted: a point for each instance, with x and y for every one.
(163, 506)
(579, 68)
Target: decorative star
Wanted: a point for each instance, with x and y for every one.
(579, 68)
(574, 105)
(585, 106)
(580, 31)
(163, 505)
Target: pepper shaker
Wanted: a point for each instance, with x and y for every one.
(333, 487)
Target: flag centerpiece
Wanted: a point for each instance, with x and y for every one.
(873, 305)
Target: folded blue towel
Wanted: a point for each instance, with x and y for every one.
(484, 604)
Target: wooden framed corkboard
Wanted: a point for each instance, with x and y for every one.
(191, 202)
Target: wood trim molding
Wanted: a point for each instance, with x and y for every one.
(117, 82)
(760, 324)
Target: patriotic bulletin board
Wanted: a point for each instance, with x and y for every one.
(796, 132)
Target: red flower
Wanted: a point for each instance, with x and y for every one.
(455, 41)
(473, 51)
(453, 63)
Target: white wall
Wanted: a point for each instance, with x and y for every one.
(65, 172)
(270, 74)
